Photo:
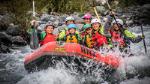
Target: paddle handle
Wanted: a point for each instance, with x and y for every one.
(94, 7)
(111, 12)
(96, 13)
(108, 4)
(144, 43)
(33, 7)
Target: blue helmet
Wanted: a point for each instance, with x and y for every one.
(72, 26)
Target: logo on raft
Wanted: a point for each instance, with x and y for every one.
(59, 49)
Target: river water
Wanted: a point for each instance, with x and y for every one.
(12, 68)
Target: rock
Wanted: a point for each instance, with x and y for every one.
(5, 42)
(13, 30)
(18, 40)
(146, 6)
(46, 17)
(5, 20)
(41, 27)
(100, 9)
(4, 49)
(5, 38)
(60, 24)
(141, 14)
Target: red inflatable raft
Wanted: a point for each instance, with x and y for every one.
(60, 49)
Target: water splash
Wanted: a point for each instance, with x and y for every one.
(50, 76)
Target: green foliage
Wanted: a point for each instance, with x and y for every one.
(18, 9)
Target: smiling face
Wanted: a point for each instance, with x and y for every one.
(49, 29)
(89, 30)
(87, 20)
(115, 27)
(72, 31)
(96, 26)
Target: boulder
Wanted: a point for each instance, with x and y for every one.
(46, 17)
(18, 40)
(13, 30)
(4, 22)
(4, 48)
(100, 9)
(5, 38)
(141, 14)
(5, 42)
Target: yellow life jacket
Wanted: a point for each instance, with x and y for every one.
(71, 39)
(88, 41)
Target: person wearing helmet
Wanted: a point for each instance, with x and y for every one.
(87, 38)
(62, 33)
(69, 20)
(47, 35)
(97, 27)
(98, 34)
(87, 20)
(121, 36)
(71, 35)
(108, 20)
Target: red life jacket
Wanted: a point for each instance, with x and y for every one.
(99, 39)
(48, 38)
(116, 37)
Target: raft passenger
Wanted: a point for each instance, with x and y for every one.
(47, 35)
(121, 36)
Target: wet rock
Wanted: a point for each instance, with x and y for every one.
(5, 38)
(41, 27)
(13, 30)
(60, 24)
(47, 18)
(101, 9)
(4, 48)
(141, 14)
(5, 20)
(5, 42)
(18, 40)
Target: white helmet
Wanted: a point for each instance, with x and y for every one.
(95, 21)
(69, 18)
(119, 21)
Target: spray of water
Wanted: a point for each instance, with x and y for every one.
(60, 74)
(50, 76)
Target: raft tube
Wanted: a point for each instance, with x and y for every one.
(38, 57)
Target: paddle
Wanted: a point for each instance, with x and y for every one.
(94, 7)
(111, 12)
(144, 43)
(33, 4)
(34, 39)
